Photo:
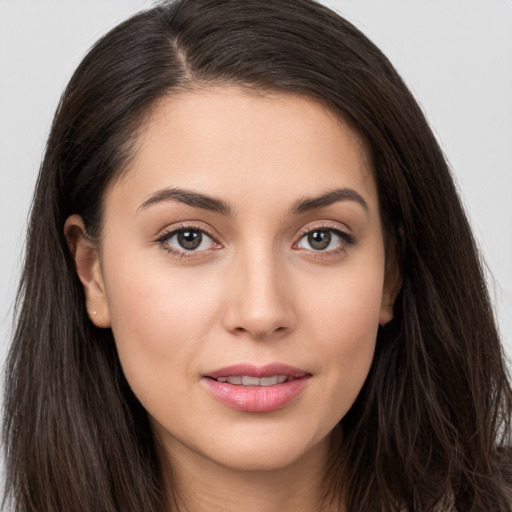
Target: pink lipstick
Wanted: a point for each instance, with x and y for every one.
(251, 388)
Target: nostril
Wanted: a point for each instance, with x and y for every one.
(252, 313)
(260, 332)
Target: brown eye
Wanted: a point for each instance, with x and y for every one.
(189, 239)
(327, 240)
(319, 240)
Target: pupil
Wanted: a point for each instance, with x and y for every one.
(189, 240)
(319, 240)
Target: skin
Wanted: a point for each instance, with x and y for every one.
(258, 291)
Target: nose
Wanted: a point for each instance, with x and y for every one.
(260, 297)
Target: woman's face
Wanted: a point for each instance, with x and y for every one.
(241, 248)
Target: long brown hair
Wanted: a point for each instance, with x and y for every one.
(431, 426)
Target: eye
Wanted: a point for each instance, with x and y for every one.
(187, 240)
(190, 240)
(324, 240)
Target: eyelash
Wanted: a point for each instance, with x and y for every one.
(163, 240)
(346, 240)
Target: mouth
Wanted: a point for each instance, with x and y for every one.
(251, 388)
(247, 380)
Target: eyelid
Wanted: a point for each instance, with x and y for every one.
(172, 230)
(348, 239)
(346, 236)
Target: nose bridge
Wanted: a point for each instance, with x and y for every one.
(259, 302)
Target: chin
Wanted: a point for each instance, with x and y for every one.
(272, 453)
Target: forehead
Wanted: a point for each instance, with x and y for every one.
(248, 146)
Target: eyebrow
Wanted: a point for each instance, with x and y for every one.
(331, 197)
(198, 200)
(188, 197)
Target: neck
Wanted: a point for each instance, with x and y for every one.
(201, 485)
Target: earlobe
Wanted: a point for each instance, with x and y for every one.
(392, 285)
(88, 268)
(386, 313)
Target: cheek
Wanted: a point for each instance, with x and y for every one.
(347, 305)
(156, 301)
(344, 319)
(159, 319)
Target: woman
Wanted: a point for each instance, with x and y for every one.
(249, 283)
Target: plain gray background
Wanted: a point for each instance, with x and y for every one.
(456, 56)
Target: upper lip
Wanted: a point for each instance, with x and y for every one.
(252, 370)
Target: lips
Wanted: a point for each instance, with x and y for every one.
(246, 380)
(251, 370)
(251, 388)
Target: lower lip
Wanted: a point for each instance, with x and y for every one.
(256, 398)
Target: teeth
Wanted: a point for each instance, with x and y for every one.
(268, 381)
(245, 380)
(250, 381)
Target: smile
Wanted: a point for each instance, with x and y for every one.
(251, 388)
(246, 380)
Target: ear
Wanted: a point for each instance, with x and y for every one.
(392, 285)
(88, 268)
